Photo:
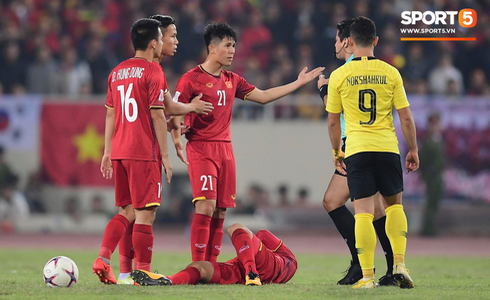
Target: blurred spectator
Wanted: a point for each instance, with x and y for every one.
(43, 76)
(432, 152)
(13, 67)
(34, 193)
(283, 200)
(98, 205)
(13, 205)
(72, 208)
(440, 77)
(100, 62)
(478, 83)
(302, 199)
(77, 79)
(6, 172)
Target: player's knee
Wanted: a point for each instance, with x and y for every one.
(232, 228)
(205, 207)
(330, 203)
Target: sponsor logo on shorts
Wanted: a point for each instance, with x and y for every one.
(243, 248)
(233, 197)
(200, 246)
(209, 85)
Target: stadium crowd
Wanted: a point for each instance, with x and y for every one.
(68, 47)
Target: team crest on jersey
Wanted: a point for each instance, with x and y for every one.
(233, 196)
(209, 85)
(229, 84)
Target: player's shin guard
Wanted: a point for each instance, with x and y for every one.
(365, 243)
(244, 249)
(396, 229)
(215, 239)
(126, 251)
(113, 233)
(143, 246)
(199, 236)
(190, 275)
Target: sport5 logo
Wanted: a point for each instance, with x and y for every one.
(466, 17)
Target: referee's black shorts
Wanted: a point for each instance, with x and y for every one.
(370, 172)
(343, 150)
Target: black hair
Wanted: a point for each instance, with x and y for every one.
(143, 31)
(216, 32)
(363, 31)
(344, 28)
(165, 21)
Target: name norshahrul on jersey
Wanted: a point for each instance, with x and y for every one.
(366, 79)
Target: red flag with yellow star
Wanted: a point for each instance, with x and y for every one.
(72, 144)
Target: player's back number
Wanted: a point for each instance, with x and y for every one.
(126, 101)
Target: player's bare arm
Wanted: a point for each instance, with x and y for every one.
(196, 105)
(106, 165)
(410, 133)
(269, 95)
(175, 132)
(160, 125)
(334, 132)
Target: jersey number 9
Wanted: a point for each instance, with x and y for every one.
(371, 109)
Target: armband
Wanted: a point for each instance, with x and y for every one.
(323, 91)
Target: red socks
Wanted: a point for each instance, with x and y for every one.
(126, 251)
(113, 232)
(244, 249)
(190, 275)
(143, 246)
(199, 236)
(215, 240)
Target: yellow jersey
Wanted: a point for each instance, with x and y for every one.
(366, 89)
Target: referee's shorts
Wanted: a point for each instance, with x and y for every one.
(370, 172)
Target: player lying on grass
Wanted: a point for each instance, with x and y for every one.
(261, 259)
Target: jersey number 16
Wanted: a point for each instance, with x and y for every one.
(126, 101)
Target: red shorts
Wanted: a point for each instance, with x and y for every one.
(212, 172)
(137, 182)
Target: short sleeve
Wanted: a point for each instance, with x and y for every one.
(108, 101)
(334, 104)
(399, 96)
(243, 88)
(184, 91)
(156, 89)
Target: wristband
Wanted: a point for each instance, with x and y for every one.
(337, 153)
(323, 91)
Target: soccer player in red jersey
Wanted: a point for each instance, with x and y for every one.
(261, 259)
(169, 48)
(135, 147)
(209, 151)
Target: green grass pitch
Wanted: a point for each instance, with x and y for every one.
(435, 278)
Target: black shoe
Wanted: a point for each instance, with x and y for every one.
(387, 280)
(142, 277)
(354, 274)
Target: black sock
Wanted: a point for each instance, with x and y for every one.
(380, 227)
(345, 223)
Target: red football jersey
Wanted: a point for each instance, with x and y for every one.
(135, 86)
(221, 91)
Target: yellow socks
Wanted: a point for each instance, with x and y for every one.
(365, 243)
(396, 230)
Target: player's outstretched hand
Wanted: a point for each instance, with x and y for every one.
(168, 168)
(412, 161)
(106, 167)
(201, 107)
(179, 147)
(321, 81)
(304, 78)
